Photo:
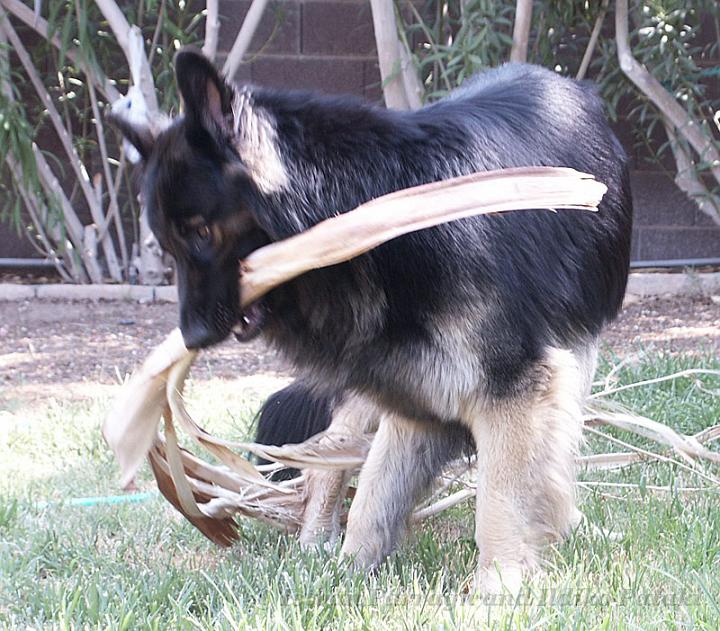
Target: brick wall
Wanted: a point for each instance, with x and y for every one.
(312, 44)
(328, 45)
(667, 224)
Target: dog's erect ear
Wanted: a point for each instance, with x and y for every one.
(206, 96)
(138, 135)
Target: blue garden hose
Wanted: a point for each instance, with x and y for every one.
(130, 498)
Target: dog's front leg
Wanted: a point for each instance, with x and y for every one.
(326, 490)
(404, 459)
(525, 488)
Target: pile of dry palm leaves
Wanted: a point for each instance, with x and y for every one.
(213, 496)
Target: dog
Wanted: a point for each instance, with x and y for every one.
(482, 330)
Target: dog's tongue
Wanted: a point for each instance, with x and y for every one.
(250, 323)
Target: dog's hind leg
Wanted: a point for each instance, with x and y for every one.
(526, 472)
(404, 459)
(325, 490)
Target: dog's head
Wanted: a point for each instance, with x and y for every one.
(199, 199)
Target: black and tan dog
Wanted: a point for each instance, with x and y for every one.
(484, 329)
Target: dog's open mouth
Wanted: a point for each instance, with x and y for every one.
(250, 323)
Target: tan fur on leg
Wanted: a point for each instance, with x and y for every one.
(526, 451)
(326, 490)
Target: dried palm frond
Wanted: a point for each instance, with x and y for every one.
(348, 235)
(211, 496)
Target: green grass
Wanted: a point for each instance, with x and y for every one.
(641, 560)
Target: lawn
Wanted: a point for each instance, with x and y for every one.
(641, 559)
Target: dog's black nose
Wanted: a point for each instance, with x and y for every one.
(199, 336)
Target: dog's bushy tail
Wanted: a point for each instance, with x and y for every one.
(291, 416)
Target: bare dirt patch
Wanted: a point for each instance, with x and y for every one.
(676, 325)
(75, 349)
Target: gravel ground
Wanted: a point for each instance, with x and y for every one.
(65, 349)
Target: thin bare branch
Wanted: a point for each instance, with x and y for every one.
(125, 36)
(389, 56)
(687, 447)
(156, 33)
(610, 461)
(691, 468)
(119, 25)
(114, 208)
(151, 268)
(108, 247)
(589, 51)
(414, 90)
(638, 384)
(521, 30)
(687, 180)
(131, 41)
(5, 87)
(73, 158)
(38, 213)
(433, 44)
(443, 504)
(244, 38)
(29, 198)
(212, 28)
(40, 26)
(651, 487)
(73, 224)
(32, 205)
(90, 243)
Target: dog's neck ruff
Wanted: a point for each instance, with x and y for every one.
(257, 143)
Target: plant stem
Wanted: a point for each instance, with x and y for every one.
(386, 40)
(244, 38)
(587, 57)
(125, 34)
(212, 29)
(433, 44)
(55, 117)
(114, 208)
(40, 26)
(521, 30)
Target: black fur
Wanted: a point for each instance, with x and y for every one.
(290, 416)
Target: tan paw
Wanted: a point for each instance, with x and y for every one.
(499, 579)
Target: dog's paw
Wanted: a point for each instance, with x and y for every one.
(320, 538)
(506, 578)
(499, 580)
